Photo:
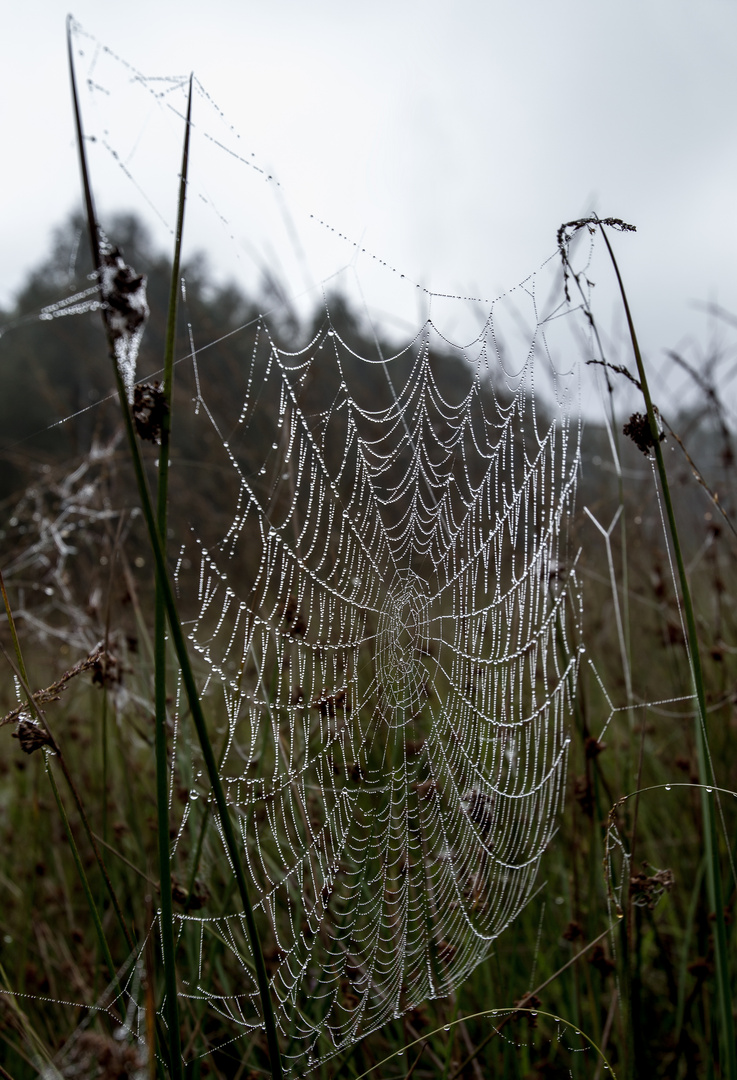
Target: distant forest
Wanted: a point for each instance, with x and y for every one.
(57, 368)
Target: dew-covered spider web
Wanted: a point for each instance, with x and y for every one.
(388, 625)
(387, 632)
(382, 582)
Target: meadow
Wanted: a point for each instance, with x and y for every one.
(119, 791)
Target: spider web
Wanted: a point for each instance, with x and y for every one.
(389, 625)
(390, 629)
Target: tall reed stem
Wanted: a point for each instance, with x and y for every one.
(706, 772)
(177, 634)
(162, 770)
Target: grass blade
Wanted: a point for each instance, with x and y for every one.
(162, 779)
(706, 772)
(177, 634)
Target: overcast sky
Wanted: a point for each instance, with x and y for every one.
(450, 139)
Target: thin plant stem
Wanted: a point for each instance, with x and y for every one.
(162, 776)
(528, 997)
(177, 634)
(104, 741)
(706, 771)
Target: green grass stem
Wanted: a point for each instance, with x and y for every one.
(177, 633)
(162, 776)
(706, 771)
(506, 1014)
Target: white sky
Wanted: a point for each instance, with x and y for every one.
(451, 139)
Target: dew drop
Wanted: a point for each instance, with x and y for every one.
(709, 790)
(275, 446)
(533, 1013)
(446, 1027)
(667, 787)
(194, 795)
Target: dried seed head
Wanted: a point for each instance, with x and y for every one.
(126, 311)
(31, 736)
(593, 747)
(647, 889)
(637, 428)
(106, 669)
(149, 409)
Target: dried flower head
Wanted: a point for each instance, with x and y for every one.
(149, 409)
(637, 428)
(31, 736)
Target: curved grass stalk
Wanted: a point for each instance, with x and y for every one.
(706, 770)
(505, 1014)
(169, 603)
